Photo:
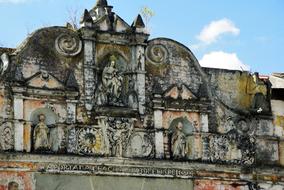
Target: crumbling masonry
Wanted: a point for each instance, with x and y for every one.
(104, 107)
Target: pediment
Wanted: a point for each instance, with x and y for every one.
(118, 24)
(44, 80)
(182, 92)
(103, 23)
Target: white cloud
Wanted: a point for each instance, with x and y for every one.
(223, 60)
(211, 32)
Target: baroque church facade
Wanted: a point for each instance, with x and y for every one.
(105, 107)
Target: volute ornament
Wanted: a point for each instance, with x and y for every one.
(157, 54)
(68, 45)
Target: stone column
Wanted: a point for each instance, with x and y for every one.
(89, 67)
(18, 124)
(159, 136)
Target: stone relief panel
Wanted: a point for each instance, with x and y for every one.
(110, 137)
(232, 148)
(120, 131)
(7, 136)
(141, 145)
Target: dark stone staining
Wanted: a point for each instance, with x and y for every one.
(86, 17)
(138, 22)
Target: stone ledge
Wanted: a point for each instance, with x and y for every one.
(129, 167)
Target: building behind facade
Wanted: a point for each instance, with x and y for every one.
(105, 107)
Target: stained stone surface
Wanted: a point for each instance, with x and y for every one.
(103, 106)
(68, 182)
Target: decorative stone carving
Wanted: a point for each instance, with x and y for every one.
(68, 45)
(41, 141)
(157, 54)
(219, 148)
(178, 142)
(72, 141)
(110, 89)
(7, 137)
(90, 141)
(140, 145)
(234, 147)
(120, 130)
(4, 63)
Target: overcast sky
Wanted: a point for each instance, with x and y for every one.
(240, 34)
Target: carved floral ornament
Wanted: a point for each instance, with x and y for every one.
(68, 45)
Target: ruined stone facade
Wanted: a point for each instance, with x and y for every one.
(104, 107)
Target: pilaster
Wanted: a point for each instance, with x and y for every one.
(88, 36)
(18, 122)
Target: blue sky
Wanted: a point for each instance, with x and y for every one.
(240, 34)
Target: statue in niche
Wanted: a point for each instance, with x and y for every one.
(13, 186)
(111, 80)
(41, 141)
(178, 142)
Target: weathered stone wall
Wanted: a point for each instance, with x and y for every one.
(81, 108)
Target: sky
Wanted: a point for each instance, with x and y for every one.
(239, 34)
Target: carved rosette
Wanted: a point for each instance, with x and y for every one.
(157, 54)
(68, 45)
(90, 141)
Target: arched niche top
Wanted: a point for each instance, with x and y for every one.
(187, 125)
(50, 117)
(121, 61)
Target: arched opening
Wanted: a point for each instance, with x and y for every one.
(50, 117)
